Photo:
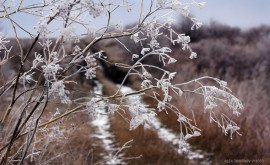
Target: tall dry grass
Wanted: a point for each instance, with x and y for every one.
(68, 141)
(242, 58)
(254, 123)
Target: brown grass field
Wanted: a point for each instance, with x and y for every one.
(242, 58)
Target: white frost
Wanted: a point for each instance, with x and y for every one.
(102, 122)
(164, 133)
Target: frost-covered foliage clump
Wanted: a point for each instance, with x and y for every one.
(76, 19)
(4, 49)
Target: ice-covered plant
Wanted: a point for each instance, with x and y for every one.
(54, 67)
(4, 49)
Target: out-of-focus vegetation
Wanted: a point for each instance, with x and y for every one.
(242, 58)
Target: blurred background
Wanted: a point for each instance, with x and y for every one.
(233, 45)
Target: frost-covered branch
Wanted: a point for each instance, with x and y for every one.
(49, 77)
